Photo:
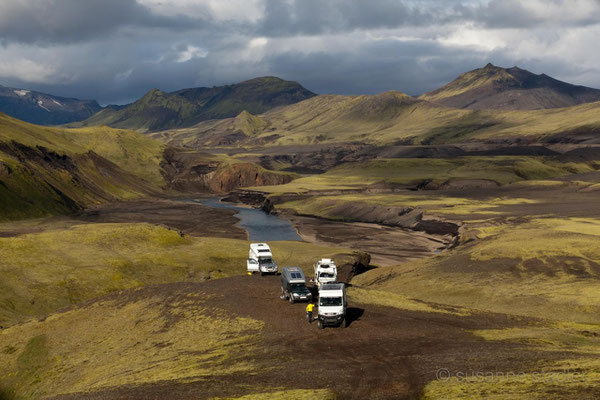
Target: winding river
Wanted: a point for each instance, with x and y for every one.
(261, 227)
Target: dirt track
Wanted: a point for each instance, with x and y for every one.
(385, 353)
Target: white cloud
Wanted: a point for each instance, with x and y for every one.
(26, 70)
(220, 10)
(190, 53)
(471, 36)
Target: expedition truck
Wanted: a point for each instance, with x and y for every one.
(293, 285)
(332, 305)
(260, 259)
(325, 271)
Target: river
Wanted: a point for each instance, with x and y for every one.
(261, 227)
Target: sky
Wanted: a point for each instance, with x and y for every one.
(114, 51)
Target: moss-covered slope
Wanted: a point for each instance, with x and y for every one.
(48, 171)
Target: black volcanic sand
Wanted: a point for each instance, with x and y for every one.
(188, 217)
(385, 353)
(386, 245)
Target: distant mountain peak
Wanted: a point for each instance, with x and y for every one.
(264, 79)
(44, 109)
(158, 110)
(493, 87)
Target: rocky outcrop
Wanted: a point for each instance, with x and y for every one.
(202, 172)
(350, 265)
(252, 198)
(231, 176)
(402, 217)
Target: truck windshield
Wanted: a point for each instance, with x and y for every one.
(298, 287)
(325, 275)
(265, 260)
(330, 301)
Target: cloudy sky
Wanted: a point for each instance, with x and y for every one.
(116, 50)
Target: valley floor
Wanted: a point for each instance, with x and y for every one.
(477, 290)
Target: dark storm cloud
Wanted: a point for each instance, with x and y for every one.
(317, 16)
(523, 14)
(387, 65)
(116, 50)
(65, 21)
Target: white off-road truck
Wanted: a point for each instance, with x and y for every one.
(325, 272)
(332, 305)
(260, 259)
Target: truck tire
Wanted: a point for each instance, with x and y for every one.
(291, 299)
(262, 273)
(343, 323)
(320, 324)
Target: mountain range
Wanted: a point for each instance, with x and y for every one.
(489, 88)
(158, 110)
(44, 109)
(389, 118)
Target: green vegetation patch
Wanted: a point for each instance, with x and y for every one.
(132, 151)
(164, 337)
(49, 171)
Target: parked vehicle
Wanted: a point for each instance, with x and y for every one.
(325, 271)
(293, 285)
(260, 259)
(332, 305)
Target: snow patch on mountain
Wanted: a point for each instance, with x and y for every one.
(41, 104)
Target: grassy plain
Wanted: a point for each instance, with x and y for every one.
(409, 171)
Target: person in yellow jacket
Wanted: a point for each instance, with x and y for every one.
(309, 312)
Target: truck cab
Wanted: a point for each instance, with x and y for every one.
(325, 271)
(332, 305)
(260, 259)
(293, 285)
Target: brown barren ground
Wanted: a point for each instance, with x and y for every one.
(385, 353)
